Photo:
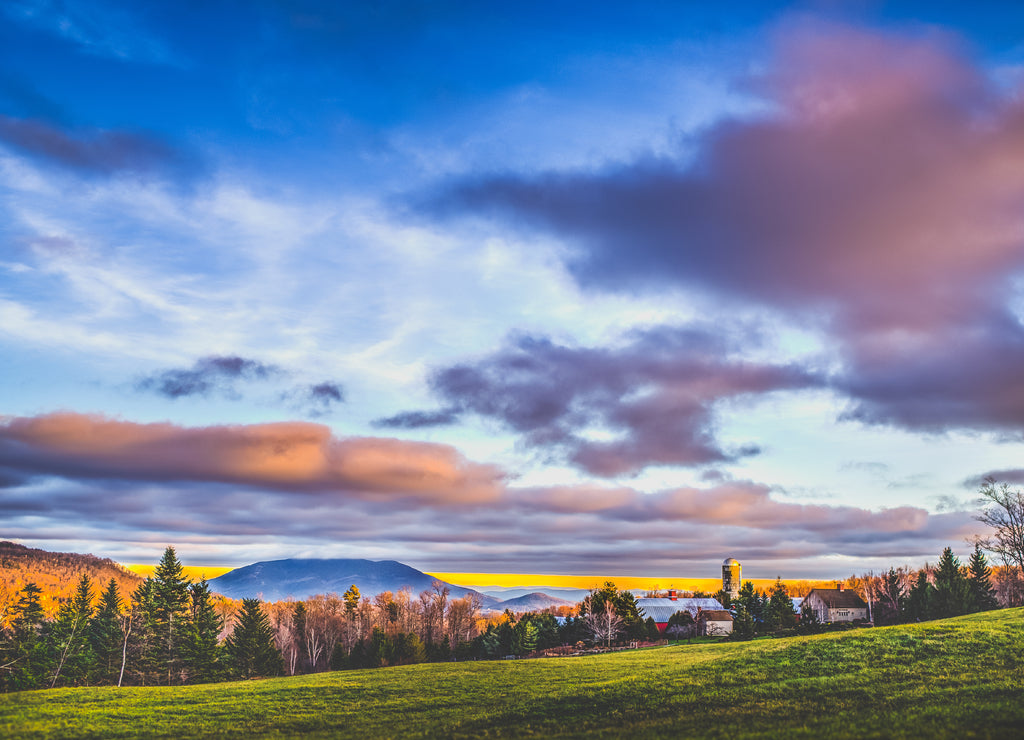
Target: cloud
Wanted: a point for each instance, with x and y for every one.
(293, 456)
(98, 28)
(419, 419)
(1013, 476)
(317, 399)
(585, 529)
(93, 151)
(613, 411)
(879, 194)
(208, 374)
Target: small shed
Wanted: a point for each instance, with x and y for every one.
(714, 622)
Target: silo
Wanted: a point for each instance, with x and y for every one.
(731, 576)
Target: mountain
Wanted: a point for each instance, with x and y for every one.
(300, 578)
(572, 595)
(57, 574)
(534, 602)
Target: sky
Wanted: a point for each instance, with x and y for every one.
(559, 287)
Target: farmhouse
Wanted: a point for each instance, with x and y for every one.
(661, 609)
(836, 604)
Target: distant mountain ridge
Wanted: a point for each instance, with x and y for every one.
(533, 602)
(301, 578)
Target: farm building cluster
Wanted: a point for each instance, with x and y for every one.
(712, 618)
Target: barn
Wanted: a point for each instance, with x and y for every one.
(662, 608)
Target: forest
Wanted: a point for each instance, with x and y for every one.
(171, 631)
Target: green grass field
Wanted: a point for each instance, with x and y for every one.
(961, 677)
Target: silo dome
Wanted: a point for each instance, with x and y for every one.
(730, 561)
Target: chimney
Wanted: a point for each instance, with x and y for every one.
(672, 594)
(840, 587)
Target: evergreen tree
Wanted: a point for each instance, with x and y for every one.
(202, 637)
(524, 637)
(982, 597)
(891, 603)
(780, 609)
(753, 603)
(652, 629)
(106, 635)
(170, 615)
(743, 622)
(918, 605)
(809, 623)
(952, 591)
(141, 648)
(68, 638)
(24, 661)
(298, 638)
(250, 648)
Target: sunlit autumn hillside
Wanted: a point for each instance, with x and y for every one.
(56, 573)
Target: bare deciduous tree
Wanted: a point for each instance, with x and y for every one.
(604, 624)
(1004, 512)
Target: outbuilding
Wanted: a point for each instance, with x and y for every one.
(714, 622)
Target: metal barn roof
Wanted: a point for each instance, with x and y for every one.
(661, 609)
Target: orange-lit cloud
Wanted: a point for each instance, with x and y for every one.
(297, 456)
(283, 490)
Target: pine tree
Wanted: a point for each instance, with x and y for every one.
(951, 587)
(918, 604)
(171, 609)
(250, 648)
(743, 623)
(809, 623)
(68, 638)
(141, 647)
(300, 656)
(24, 660)
(201, 640)
(780, 606)
(982, 596)
(106, 635)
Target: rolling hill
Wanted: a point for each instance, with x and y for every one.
(952, 678)
(300, 578)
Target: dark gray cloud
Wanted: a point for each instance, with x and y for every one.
(1013, 476)
(652, 398)
(318, 399)
(968, 376)
(95, 151)
(878, 195)
(419, 419)
(209, 374)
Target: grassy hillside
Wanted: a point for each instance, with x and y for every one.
(953, 678)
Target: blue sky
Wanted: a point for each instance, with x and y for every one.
(543, 287)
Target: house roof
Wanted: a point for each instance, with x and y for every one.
(716, 615)
(661, 609)
(835, 598)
